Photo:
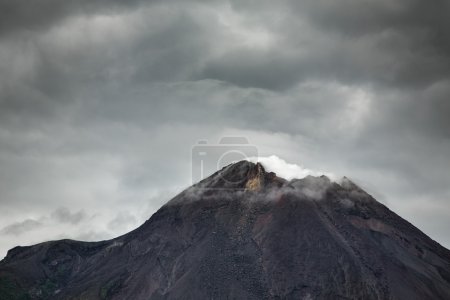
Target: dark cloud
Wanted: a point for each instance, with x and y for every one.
(20, 227)
(100, 102)
(401, 44)
(31, 16)
(63, 215)
(359, 18)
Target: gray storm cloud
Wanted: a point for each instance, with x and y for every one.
(19, 227)
(101, 101)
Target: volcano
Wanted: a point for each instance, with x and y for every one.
(244, 233)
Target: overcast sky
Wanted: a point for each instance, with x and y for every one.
(101, 101)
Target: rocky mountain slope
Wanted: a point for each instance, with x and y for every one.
(244, 233)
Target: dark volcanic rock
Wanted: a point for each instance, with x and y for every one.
(244, 233)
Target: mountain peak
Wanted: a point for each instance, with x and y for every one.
(241, 175)
(256, 178)
(308, 238)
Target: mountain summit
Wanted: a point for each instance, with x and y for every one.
(244, 233)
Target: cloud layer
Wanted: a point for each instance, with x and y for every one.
(101, 101)
(287, 170)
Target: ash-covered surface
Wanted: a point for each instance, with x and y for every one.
(244, 233)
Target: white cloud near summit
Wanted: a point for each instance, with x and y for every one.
(287, 170)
